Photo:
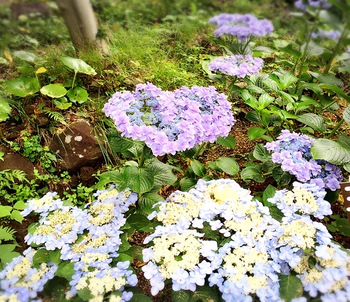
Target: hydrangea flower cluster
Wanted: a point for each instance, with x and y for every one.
(171, 121)
(303, 199)
(218, 232)
(292, 151)
(89, 238)
(237, 65)
(303, 4)
(241, 26)
(327, 34)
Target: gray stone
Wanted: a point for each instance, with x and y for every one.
(15, 161)
(76, 146)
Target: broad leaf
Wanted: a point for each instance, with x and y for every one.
(181, 296)
(346, 115)
(78, 65)
(330, 151)
(54, 90)
(197, 167)
(282, 178)
(5, 211)
(313, 49)
(261, 153)
(7, 252)
(16, 215)
(119, 143)
(77, 95)
(251, 173)
(41, 256)
(62, 103)
(5, 109)
(290, 287)
(205, 293)
(139, 296)
(337, 90)
(162, 173)
(187, 183)
(255, 132)
(22, 87)
(28, 56)
(228, 165)
(314, 121)
(228, 141)
(65, 270)
(137, 179)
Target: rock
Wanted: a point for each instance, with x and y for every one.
(16, 161)
(76, 146)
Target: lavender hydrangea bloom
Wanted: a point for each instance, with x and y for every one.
(292, 151)
(240, 26)
(303, 4)
(171, 121)
(327, 34)
(238, 65)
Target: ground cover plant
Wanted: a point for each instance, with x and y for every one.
(225, 134)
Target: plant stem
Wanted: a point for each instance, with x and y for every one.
(199, 149)
(337, 126)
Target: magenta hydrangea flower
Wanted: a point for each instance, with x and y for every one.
(238, 65)
(241, 26)
(171, 121)
(292, 151)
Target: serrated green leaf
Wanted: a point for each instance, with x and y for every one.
(162, 173)
(261, 153)
(313, 49)
(187, 183)
(5, 211)
(6, 233)
(197, 167)
(65, 270)
(282, 178)
(228, 165)
(77, 95)
(22, 87)
(7, 252)
(291, 287)
(228, 141)
(313, 120)
(137, 179)
(54, 90)
(255, 132)
(146, 203)
(16, 215)
(20, 205)
(119, 143)
(330, 151)
(85, 294)
(78, 65)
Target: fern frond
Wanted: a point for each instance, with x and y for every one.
(54, 115)
(7, 233)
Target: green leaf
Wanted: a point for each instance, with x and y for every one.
(7, 252)
(269, 192)
(54, 90)
(330, 151)
(255, 132)
(55, 256)
(78, 65)
(119, 143)
(124, 257)
(290, 287)
(85, 294)
(16, 215)
(137, 179)
(137, 221)
(197, 167)
(139, 296)
(346, 115)
(289, 49)
(22, 87)
(146, 203)
(62, 103)
(313, 49)
(41, 256)
(187, 183)
(5, 211)
(6, 233)
(77, 95)
(228, 141)
(65, 270)
(283, 178)
(327, 79)
(228, 165)
(205, 294)
(20, 205)
(163, 173)
(5, 109)
(181, 296)
(28, 56)
(261, 153)
(251, 173)
(336, 90)
(314, 121)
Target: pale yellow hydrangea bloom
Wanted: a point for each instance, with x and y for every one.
(89, 258)
(12, 298)
(179, 206)
(81, 247)
(57, 217)
(305, 232)
(108, 194)
(175, 252)
(300, 197)
(241, 262)
(43, 202)
(221, 193)
(108, 213)
(99, 286)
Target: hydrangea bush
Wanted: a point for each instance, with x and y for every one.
(86, 240)
(292, 151)
(171, 121)
(218, 232)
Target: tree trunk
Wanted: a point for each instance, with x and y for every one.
(80, 21)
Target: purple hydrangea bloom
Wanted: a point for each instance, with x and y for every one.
(303, 4)
(240, 26)
(292, 151)
(237, 66)
(327, 34)
(171, 121)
